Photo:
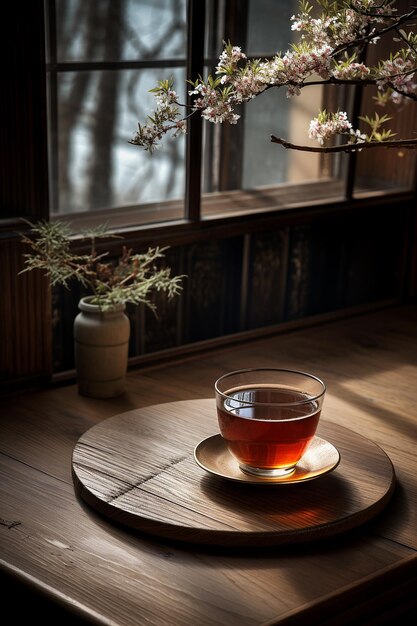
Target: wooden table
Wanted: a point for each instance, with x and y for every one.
(62, 553)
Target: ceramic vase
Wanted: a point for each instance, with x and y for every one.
(101, 342)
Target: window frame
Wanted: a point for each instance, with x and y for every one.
(190, 206)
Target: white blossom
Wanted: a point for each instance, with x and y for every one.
(326, 126)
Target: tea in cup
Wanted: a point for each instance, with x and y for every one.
(268, 417)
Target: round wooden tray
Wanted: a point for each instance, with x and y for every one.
(138, 469)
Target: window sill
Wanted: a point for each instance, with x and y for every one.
(166, 220)
(227, 205)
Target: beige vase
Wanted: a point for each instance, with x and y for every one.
(101, 342)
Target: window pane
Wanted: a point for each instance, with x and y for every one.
(266, 163)
(385, 169)
(269, 26)
(97, 167)
(113, 30)
(268, 31)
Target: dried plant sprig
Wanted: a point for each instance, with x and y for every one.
(131, 279)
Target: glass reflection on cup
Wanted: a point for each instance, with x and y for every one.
(268, 417)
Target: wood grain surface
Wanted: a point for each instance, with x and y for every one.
(59, 546)
(138, 469)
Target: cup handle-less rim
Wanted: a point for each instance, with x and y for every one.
(277, 370)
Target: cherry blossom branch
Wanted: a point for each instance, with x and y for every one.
(386, 16)
(406, 17)
(328, 47)
(353, 81)
(406, 41)
(406, 94)
(348, 147)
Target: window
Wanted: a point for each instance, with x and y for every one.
(105, 55)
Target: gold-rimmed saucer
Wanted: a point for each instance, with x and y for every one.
(212, 455)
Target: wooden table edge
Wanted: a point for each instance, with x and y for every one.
(397, 582)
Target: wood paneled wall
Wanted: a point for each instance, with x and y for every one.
(25, 319)
(255, 279)
(25, 314)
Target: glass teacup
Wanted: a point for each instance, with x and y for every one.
(268, 417)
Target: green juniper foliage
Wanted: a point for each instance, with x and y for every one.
(131, 279)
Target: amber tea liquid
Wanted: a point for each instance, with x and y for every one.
(265, 436)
